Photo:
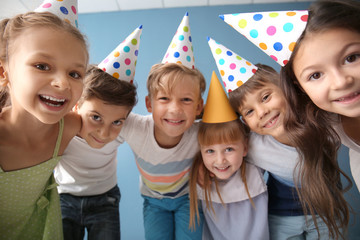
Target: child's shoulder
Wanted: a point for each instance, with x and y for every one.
(72, 126)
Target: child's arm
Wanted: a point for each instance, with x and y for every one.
(72, 126)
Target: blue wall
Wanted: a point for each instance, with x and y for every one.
(106, 30)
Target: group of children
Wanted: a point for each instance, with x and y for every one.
(61, 122)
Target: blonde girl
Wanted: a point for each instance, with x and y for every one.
(42, 64)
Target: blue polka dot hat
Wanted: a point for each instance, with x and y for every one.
(273, 32)
(180, 49)
(234, 70)
(121, 62)
(65, 9)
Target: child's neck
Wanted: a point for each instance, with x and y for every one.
(166, 141)
(26, 123)
(351, 128)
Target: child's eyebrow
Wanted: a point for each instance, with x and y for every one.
(96, 112)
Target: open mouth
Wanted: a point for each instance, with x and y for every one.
(349, 98)
(222, 169)
(272, 121)
(52, 101)
(174, 121)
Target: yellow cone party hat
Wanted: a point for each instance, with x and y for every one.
(217, 108)
(66, 10)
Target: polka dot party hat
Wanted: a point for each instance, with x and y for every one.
(121, 62)
(234, 70)
(273, 32)
(64, 9)
(181, 49)
(217, 108)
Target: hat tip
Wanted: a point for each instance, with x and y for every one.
(221, 17)
(141, 26)
(187, 14)
(208, 38)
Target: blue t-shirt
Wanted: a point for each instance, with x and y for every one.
(283, 199)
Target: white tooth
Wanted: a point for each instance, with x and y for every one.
(53, 105)
(53, 99)
(174, 121)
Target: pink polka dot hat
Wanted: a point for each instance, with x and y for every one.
(121, 62)
(273, 32)
(234, 70)
(181, 49)
(64, 9)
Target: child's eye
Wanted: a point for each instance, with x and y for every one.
(229, 149)
(351, 58)
(96, 118)
(265, 97)
(117, 122)
(209, 151)
(42, 67)
(75, 75)
(163, 98)
(315, 76)
(187, 100)
(248, 112)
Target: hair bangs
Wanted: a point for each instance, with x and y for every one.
(216, 133)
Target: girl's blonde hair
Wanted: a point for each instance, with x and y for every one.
(209, 134)
(11, 28)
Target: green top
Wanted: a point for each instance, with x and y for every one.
(29, 202)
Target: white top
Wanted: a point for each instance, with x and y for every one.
(354, 154)
(85, 171)
(237, 219)
(277, 158)
(164, 172)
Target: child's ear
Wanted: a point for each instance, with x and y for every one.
(4, 79)
(246, 148)
(199, 107)
(148, 104)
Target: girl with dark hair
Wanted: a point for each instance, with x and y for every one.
(322, 76)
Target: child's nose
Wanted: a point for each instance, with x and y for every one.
(61, 81)
(104, 132)
(175, 107)
(341, 79)
(261, 112)
(220, 158)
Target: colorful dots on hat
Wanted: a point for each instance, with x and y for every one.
(233, 69)
(121, 63)
(273, 32)
(180, 49)
(64, 9)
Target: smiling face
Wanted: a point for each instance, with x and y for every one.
(174, 112)
(263, 111)
(102, 122)
(223, 159)
(45, 71)
(327, 66)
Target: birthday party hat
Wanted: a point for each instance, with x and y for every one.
(64, 9)
(234, 70)
(275, 33)
(180, 49)
(121, 62)
(217, 108)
